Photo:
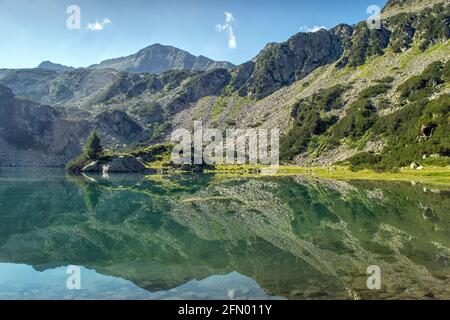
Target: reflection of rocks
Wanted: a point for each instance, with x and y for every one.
(297, 240)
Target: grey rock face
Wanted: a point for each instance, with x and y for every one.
(124, 165)
(159, 58)
(34, 135)
(205, 84)
(283, 63)
(119, 124)
(115, 165)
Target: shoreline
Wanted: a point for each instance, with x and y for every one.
(429, 175)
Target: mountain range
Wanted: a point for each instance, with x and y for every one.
(376, 98)
(153, 59)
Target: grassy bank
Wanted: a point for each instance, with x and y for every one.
(429, 175)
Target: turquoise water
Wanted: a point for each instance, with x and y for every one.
(205, 237)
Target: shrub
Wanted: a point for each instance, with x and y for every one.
(446, 72)
(422, 85)
(360, 117)
(375, 91)
(310, 120)
(75, 165)
(364, 159)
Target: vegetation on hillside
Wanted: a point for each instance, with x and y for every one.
(420, 128)
(310, 119)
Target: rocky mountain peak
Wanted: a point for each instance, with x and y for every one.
(48, 65)
(159, 58)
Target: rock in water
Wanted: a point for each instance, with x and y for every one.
(92, 167)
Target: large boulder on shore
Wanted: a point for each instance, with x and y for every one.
(115, 165)
(93, 167)
(124, 165)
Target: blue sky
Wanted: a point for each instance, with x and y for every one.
(32, 31)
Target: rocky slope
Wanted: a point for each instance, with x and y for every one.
(35, 135)
(158, 58)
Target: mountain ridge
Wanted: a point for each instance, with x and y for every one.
(158, 58)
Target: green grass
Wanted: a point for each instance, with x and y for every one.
(439, 176)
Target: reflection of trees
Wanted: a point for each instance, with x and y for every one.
(297, 238)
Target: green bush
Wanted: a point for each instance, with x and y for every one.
(310, 120)
(360, 117)
(375, 90)
(364, 159)
(446, 72)
(402, 130)
(421, 86)
(75, 165)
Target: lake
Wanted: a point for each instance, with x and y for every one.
(213, 237)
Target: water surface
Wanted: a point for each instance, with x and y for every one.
(205, 237)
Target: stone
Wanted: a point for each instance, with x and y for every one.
(92, 167)
(420, 168)
(124, 165)
(427, 131)
(435, 155)
(413, 166)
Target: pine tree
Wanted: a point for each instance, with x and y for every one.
(93, 148)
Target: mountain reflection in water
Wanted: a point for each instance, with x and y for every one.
(206, 237)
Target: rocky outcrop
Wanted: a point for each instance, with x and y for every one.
(158, 58)
(209, 83)
(280, 64)
(123, 165)
(115, 165)
(120, 125)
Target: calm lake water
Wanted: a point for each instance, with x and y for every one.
(207, 237)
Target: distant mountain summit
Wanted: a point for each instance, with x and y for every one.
(158, 58)
(48, 65)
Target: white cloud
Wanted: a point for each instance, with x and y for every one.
(98, 26)
(313, 29)
(228, 28)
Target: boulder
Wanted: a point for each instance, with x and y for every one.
(427, 130)
(93, 167)
(413, 166)
(124, 165)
